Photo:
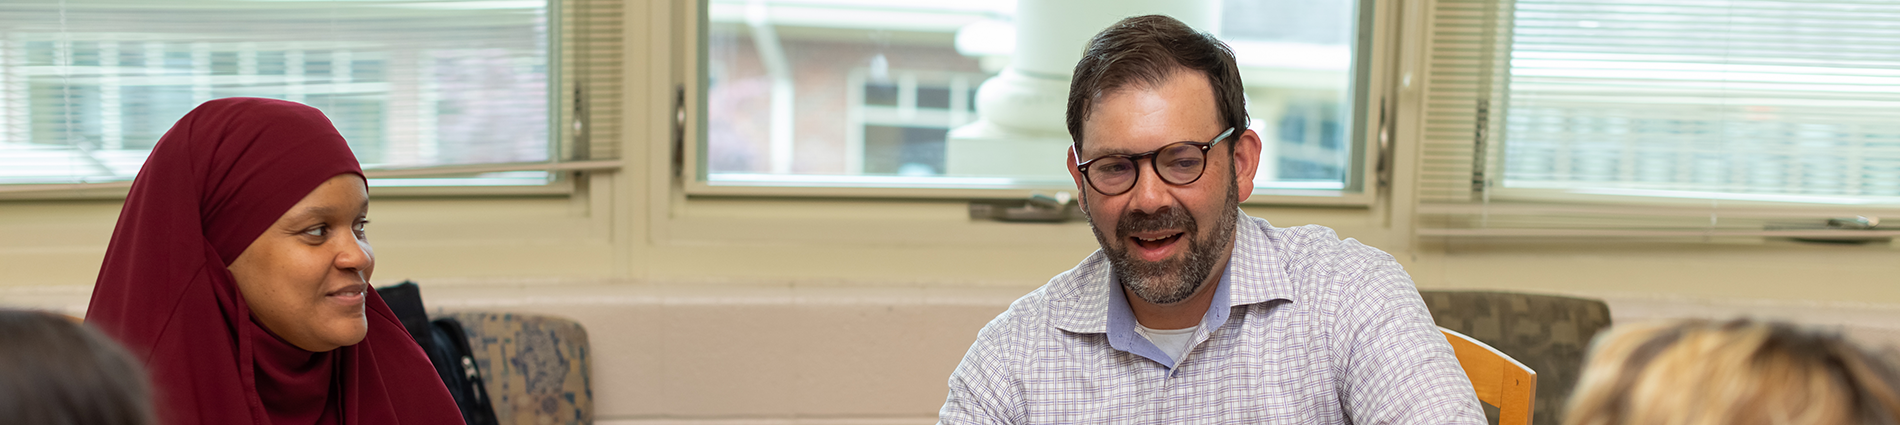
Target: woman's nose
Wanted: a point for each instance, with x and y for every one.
(353, 254)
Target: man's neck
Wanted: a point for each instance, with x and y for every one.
(1180, 315)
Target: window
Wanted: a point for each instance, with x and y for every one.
(1628, 118)
(1752, 100)
(87, 88)
(934, 93)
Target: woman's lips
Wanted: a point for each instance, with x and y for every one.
(353, 294)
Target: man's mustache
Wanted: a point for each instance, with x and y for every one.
(1168, 218)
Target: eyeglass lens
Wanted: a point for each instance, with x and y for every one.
(1178, 163)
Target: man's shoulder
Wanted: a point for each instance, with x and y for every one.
(1032, 307)
(1308, 246)
(1037, 311)
(1314, 260)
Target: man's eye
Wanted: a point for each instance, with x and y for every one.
(1185, 163)
(1114, 168)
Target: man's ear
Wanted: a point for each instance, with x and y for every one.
(1075, 174)
(1081, 186)
(1246, 162)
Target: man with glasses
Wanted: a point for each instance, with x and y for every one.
(1191, 313)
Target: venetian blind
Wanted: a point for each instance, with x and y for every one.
(1649, 118)
(593, 59)
(87, 87)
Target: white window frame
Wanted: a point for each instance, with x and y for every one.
(1796, 205)
(563, 174)
(1374, 56)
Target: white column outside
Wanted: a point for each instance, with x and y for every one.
(1020, 130)
(111, 100)
(200, 72)
(294, 88)
(14, 120)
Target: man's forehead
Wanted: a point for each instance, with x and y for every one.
(1102, 149)
(1143, 117)
(1110, 140)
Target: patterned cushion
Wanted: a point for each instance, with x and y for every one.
(1548, 333)
(536, 366)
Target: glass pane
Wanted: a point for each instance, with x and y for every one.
(86, 88)
(1764, 100)
(849, 93)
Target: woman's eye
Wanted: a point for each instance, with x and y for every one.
(317, 231)
(359, 227)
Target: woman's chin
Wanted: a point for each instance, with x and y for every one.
(355, 335)
(343, 335)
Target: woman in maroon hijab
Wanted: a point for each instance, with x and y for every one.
(239, 274)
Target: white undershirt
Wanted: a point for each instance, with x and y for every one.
(1175, 342)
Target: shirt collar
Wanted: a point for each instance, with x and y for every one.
(1258, 264)
(1082, 297)
(1121, 319)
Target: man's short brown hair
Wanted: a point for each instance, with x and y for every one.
(1143, 51)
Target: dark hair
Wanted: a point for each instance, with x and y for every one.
(1145, 51)
(56, 371)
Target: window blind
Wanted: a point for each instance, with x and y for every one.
(1646, 118)
(593, 59)
(86, 88)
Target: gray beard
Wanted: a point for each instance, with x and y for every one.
(1172, 280)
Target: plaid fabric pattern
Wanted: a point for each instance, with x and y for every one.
(1320, 331)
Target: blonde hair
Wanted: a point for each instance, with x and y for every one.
(1739, 372)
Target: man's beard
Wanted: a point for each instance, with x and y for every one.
(1175, 279)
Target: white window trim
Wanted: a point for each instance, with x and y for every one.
(1379, 52)
(562, 173)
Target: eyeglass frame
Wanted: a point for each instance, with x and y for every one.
(1083, 167)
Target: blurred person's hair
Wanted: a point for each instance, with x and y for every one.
(55, 371)
(1142, 52)
(1740, 372)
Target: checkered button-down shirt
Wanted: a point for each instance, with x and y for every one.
(1315, 330)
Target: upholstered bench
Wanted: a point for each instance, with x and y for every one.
(536, 366)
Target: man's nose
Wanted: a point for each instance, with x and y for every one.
(1150, 193)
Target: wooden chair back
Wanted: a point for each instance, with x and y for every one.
(1500, 380)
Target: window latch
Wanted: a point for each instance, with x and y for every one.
(1854, 223)
(1852, 230)
(1038, 208)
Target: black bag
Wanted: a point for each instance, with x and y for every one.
(447, 346)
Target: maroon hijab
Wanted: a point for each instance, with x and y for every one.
(216, 181)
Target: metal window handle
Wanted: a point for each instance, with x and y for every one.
(1039, 208)
(1854, 223)
(1058, 201)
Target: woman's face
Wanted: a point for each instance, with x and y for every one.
(307, 276)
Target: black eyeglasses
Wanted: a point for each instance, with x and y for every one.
(1178, 163)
